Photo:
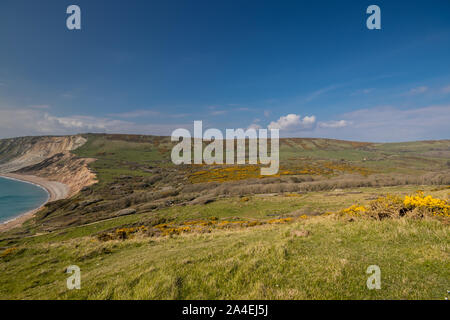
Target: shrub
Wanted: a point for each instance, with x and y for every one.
(121, 233)
(435, 206)
(8, 252)
(391, 206)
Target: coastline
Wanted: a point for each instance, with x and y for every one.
(55, 191)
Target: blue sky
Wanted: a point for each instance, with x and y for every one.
(310, 68)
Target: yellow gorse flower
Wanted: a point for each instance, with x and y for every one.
(354, 210)
(436, 206)
(393, 203)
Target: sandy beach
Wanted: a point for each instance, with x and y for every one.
(56, 191)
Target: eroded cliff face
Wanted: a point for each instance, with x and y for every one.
(65, 168)
(48, 157)
(18, 153)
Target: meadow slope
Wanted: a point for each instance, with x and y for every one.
(151, 230)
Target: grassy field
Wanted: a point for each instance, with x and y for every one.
(217, 232)
(264, 262)
(260, 262)
(120, 157)
(133, 155)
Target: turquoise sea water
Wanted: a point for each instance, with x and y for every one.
(18, 197)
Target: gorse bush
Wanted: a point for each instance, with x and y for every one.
(199, 226)
(392, 206)
(354, 210)
(388, 206)
(8, 252)
(121, 233)
(435, 206)
(243, 172)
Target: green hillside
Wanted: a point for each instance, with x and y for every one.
(152, 230)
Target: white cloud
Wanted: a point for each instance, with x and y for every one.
(308, 122)
(418, 90)
(28, 121)
(316, 94)
(390, 124)
(136, 114)
(334, 124)
(379, 124)
(67, 95)
(293, 122)
(254, 126)
(40, 106)
(446, 89)
(218, 112)
(362, 91)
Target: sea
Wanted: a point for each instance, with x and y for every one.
(17, 197)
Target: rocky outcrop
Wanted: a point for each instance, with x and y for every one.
(125, 212)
